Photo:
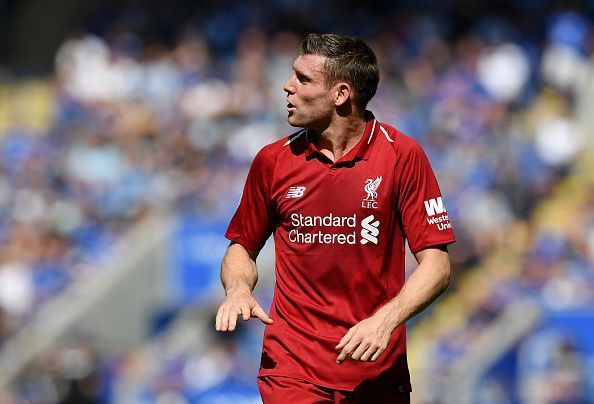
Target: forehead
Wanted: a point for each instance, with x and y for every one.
(310, 65)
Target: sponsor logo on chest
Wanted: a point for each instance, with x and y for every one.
(370, 230)
(337, 229)
(331, 229)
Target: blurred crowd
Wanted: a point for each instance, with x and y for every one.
(128, 133)
(134, 125)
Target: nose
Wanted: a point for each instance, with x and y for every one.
(289, 86)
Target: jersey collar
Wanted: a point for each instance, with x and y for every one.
(369, 136)
(361, 150)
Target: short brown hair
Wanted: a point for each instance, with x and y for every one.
(348, 59)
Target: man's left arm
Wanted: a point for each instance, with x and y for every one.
(368, 339)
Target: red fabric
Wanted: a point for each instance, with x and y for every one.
(339, 248)
(283, 390)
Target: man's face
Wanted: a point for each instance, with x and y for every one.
(309, 103)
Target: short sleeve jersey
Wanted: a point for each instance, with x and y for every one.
(339, 231)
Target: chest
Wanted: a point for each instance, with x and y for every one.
(334, 194)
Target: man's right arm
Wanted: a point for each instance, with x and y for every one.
(239, 276)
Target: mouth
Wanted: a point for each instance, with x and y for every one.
(290, 107)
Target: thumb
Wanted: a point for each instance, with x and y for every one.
(259, 312)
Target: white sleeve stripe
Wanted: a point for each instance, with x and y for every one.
(294, 137)
(386, 134)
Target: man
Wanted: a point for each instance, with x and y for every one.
(341, 196)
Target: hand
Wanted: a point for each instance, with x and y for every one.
(366, 340)
(239, 304)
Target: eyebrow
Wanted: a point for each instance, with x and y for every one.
(300, 73)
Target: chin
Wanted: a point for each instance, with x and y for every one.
(300, 122)
(293, 122)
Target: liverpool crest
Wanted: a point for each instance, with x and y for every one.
(371, 186)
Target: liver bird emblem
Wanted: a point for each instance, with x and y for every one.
(371, 187)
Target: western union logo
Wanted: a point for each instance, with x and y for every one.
(434, 206)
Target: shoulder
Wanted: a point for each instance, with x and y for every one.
(269, 154)
(402, 144)
(286, 144)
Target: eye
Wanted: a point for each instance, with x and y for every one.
(301, 78)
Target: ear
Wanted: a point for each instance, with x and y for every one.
(343, 92)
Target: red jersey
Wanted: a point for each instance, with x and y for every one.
(339, 233)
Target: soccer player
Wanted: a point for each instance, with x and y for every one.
(341, 196)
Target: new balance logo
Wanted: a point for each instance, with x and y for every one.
(370, 230)
(434, 206)
(295, 192)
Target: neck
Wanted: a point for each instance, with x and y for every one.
(340, 136)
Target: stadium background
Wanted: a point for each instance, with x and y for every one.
(126, 131)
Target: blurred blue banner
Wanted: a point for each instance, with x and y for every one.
(198, 248)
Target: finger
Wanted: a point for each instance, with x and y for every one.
(367, 355)
(377, 354)
(347, 350)
(259, 312)
(343, 355)
(224, 318)
(233, 315)
(347, 337)
(360, 351)
(245, 312)
(218, 319)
